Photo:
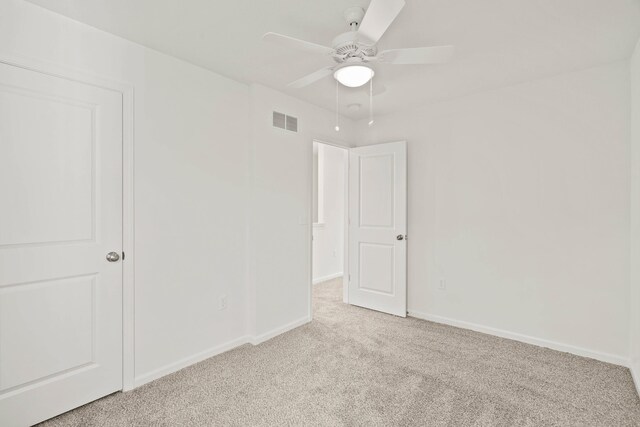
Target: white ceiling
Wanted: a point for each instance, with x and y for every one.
(498, 42)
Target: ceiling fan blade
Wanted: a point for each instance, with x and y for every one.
(379, 16)
(311, 78)
(417, 55)
(294, 43)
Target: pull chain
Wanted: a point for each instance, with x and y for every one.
(337, 105)
(371, 102)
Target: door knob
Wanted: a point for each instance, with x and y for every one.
(400, 237)
(113, 256)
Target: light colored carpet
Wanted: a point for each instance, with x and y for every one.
(353, 366)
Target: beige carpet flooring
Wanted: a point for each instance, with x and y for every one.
(356, 367)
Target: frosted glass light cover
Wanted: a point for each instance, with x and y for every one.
(353, 75)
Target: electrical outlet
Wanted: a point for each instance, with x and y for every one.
(443, 284)
(222, 304)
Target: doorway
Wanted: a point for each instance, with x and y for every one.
(359, 224)
(329, 214)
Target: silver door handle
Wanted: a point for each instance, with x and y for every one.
(113, 256)
(400, 237)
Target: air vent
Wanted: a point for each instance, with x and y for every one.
(285, 122)
(292, 124)
(279, 120)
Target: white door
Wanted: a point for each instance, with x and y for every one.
(378, 227)
(60, 214)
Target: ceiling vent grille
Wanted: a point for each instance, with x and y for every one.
(283, 121)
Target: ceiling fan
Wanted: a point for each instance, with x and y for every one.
(355, 51)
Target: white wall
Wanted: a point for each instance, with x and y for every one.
(191, 145)
(279, 273)
(328, 237)
(518, 197)
(635, 215)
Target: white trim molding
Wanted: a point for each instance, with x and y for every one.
(258, 339)
(128, 239)
(540, 342)
(328, 277)
(214, 351)
(636, 379)
(190, 360)
(635, 375)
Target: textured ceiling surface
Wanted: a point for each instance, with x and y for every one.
(498, 42)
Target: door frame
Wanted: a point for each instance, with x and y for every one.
(345, 268)
(128, 212)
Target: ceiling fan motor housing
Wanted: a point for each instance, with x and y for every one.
(352, 45)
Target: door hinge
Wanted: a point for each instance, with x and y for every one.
(349, 277)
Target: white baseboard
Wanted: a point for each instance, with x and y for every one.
(255, 340)
(277, 331)
(636, 376)
(187, 361)
(540, 342)
(329, 277)
(198, 357)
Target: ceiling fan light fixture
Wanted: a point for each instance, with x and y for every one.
(353, 75)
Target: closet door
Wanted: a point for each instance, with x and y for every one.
(60, 244)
